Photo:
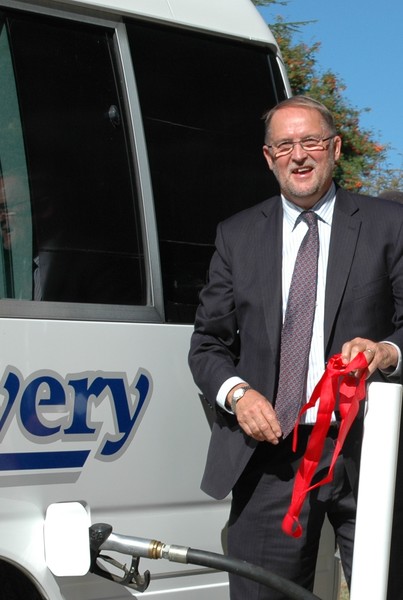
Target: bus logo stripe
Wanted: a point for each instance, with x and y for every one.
(22, 461)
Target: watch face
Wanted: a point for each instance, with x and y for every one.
(238, 394)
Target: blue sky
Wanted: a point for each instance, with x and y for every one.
(362, 43)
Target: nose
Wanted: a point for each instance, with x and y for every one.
(298, 152)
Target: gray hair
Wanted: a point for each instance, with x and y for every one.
(300, 102)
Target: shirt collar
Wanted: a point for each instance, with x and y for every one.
(323, 208)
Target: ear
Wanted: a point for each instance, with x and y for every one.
(337, 147)
(268, 156)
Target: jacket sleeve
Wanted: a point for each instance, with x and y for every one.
(214, 346)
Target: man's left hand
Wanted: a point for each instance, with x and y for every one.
(379, 355)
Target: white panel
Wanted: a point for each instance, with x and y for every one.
(67, 548)
(376, 492)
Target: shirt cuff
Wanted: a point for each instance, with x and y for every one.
(397, 371)
(223, 392)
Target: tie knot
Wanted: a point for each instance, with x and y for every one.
(310, 217)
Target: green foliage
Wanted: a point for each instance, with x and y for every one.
(363, 165)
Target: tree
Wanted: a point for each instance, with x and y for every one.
(363, 166)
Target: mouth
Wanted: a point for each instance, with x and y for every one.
(301, 171)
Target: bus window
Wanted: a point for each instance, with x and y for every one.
(63, 146)
(202, 99)
(16, 266)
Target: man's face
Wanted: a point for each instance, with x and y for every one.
(304, 176)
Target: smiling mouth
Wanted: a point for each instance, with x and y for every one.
(302, 170)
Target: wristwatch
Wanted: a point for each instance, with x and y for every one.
(237, 395)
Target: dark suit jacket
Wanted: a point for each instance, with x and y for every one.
(238, 322)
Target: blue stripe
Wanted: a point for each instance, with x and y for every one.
(22, 461)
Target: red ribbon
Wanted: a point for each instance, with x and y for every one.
(337, 380)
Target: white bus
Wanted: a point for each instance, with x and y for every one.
(128, 130)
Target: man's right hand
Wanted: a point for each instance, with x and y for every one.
(257, 417)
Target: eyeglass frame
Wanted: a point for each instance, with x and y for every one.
(301, 143)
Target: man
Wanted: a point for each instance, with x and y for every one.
(236, 346)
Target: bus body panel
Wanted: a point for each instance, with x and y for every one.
(151, 488)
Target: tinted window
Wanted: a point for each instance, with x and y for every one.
(202, 100)
(65, 168)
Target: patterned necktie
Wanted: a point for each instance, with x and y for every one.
(297, 328)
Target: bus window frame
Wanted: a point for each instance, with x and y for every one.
(153, 310)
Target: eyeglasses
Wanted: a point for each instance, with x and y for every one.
(310, 144)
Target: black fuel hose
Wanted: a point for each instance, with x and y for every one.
(291, 590)
(102, 538)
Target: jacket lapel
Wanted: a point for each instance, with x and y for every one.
(269, 234)
(345, 231)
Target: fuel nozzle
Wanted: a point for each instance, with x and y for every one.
(100, 538)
